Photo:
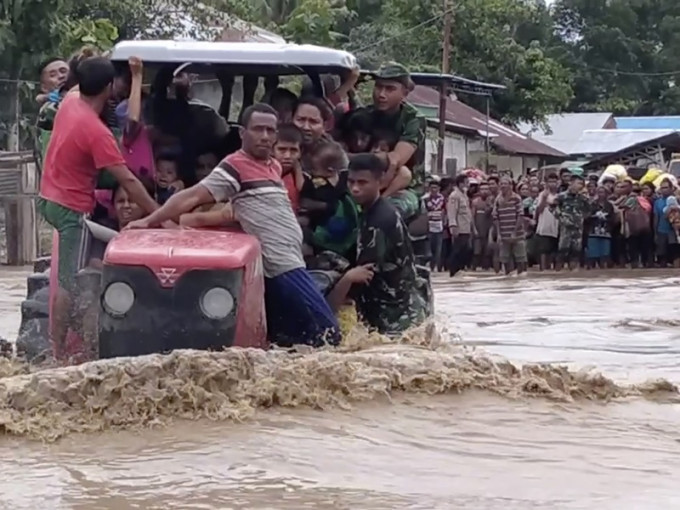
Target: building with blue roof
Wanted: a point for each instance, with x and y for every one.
(669, 122)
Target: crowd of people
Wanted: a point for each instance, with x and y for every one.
(312, 181)
(565, 220)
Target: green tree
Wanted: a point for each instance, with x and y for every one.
(623, 54)
(32, 30)
(315, 22)
(499, 41)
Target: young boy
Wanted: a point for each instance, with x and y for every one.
(355, 130)
(167, 176)
(205, 164)
(287, 151)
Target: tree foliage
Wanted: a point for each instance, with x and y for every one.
(499, 41)
(622, 54)
(578, 55)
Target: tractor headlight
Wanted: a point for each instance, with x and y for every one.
(216, 303)
(118, 298)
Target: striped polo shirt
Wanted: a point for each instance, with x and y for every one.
(262, 206)
(508, 213)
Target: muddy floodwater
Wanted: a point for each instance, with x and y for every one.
(455, 423)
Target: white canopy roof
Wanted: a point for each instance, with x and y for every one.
(234, 53)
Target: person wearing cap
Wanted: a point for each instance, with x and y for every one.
(565, 179)
(572, 207)
(391, 113)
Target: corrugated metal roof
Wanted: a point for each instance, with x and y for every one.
(605, 141)
(565, 128)
(503, 137)
(669, 122)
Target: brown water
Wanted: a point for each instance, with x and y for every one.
(428, 426)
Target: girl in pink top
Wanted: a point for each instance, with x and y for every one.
(135, 143)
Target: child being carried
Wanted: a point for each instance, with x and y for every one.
(327, 212)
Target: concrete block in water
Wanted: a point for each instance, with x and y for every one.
(6, 349)
(42, 264)
(36, 282)
(33, 309)
(33, 343)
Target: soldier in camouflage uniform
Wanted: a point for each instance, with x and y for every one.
(391, 113)
(393, 298)
(53, 75)
(572, 207)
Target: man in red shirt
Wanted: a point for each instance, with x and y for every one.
(82, 151)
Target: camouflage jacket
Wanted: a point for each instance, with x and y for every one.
(391, 302)
(572, 209)
(408, 126)
(44, 124)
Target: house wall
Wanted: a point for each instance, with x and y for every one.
(455, 148)
(516, 164)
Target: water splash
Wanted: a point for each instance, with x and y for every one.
(48, 404)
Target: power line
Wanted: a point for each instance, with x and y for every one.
(633, 73)
(407, 31)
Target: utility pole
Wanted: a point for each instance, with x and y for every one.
(443, 90)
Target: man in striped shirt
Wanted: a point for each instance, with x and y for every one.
(509, 222)
(296, 311)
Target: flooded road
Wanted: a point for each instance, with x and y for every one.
(385, 427)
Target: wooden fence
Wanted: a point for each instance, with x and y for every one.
(19, 186)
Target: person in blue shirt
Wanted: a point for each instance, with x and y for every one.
(667, 247)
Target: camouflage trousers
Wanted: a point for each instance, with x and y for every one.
(393, 320)
(570, 243)
(406, 202)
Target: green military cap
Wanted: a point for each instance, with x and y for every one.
(393, 71)
(576, 172)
